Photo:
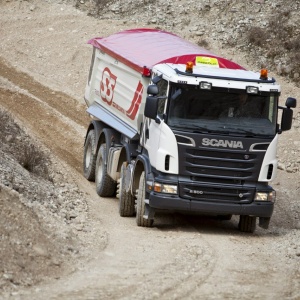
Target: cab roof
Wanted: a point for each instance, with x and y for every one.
(145, 48)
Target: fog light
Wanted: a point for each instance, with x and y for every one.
(165, 188)
(265, 196)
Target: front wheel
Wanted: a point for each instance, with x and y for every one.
(140, 209)
(126, 199)
(247, 224)
(105, 185)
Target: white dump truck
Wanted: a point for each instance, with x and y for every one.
(177, 128)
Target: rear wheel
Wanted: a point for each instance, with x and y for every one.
(126, 199)
(140, 208)
(105, 185)
(247, 224)
(89, 156)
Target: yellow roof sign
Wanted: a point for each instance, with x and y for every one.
(207, 61)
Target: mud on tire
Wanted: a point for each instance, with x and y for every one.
(105, 185)
(126, 200)
(247, 224)
(89, 156)
(140, 209)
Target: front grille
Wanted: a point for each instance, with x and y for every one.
(218, 163)
(233, 172)
(216, 194)
(221, 165)
(223, 154)
(218, 174)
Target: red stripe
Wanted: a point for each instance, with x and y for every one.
(135, 103)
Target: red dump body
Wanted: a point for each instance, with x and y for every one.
(139, 48)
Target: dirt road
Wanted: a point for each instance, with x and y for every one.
(181, 257)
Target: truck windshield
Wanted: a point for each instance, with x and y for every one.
(194, 109)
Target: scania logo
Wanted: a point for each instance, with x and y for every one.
(222, 143)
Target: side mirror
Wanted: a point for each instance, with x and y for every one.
(290, 102)
(286, 119)
(152, 89)
(151, 107)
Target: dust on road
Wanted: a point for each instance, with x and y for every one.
(182, 257)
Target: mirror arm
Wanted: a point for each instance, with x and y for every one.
(157, 79)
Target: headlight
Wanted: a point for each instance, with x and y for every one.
(265, 196)
(252, 90)
(205, 85)
(165, 188)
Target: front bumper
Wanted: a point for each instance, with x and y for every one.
(175, 203)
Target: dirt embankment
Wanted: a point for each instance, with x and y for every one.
(59, 240)
(53, 116)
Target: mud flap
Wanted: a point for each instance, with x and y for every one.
(264, 222)
(149, 211)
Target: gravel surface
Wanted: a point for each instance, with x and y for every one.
(58, 239)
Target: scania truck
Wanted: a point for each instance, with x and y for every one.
(177, 128)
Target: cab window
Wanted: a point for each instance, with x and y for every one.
(163, 90)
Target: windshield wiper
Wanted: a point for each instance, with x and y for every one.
(212, 131)
(184, 126)
(248, 132)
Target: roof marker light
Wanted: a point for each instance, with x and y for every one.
(263, 74)
(189, 67)
(146, 72)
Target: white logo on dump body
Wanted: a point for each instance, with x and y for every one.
(222, 143)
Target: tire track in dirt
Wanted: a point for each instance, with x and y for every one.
(192, 265)
(32, 108)
(55, 127)
(185, 267)
(182, 269)
(61, 102)
(58, 136)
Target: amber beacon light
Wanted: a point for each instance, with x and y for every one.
(264, 74)
(189, 67)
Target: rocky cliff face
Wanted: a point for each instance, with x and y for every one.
(51, 218)
(267, 31)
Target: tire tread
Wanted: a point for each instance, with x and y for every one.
(107, 186)
(140, 210)
(126, 200)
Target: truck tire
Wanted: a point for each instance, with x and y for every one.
(89, 158)
(140, 209)
(105, 185)
(247, 224)
(126, 199)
